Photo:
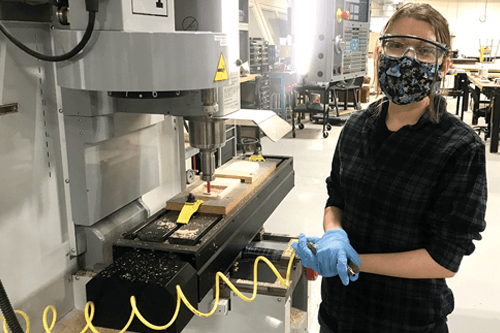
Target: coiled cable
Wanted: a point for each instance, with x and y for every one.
(10, 315)
(92, 7)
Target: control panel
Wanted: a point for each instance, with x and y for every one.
(359, 10)
(356, 49)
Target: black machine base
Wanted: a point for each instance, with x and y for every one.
(152, 278)
(149, 263)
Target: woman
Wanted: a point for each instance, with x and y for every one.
(407, 191)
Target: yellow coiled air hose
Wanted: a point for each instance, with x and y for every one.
(90, 308)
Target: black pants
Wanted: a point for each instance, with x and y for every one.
(441, 327)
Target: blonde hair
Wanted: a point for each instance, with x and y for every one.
(426, 13)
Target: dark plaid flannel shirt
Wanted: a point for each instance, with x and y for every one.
(423, 187)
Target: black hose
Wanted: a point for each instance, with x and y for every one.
(8, 312)
(57, 58)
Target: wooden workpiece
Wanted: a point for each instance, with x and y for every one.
(225, 204)
(243, 170)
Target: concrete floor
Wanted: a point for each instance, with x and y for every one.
(476, 287)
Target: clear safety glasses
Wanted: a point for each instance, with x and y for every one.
(397, 46)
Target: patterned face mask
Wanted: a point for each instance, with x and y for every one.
(406, 80)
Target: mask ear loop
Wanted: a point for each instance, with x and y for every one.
(434, 115)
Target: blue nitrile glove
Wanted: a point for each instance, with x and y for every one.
(304, 252)
(332, 252)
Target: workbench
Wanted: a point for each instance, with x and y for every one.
(492, 91)
(460, 90)
(249, 77)
(493, 70)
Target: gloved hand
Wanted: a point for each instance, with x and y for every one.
(332, 252)
(305, 254)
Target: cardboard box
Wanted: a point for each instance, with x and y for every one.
(350, 96)
(364, 94)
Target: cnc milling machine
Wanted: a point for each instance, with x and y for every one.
(94, 149)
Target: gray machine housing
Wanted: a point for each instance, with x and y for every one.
(81, 166)
(340, 47)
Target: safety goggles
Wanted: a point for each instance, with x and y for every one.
(397, 46)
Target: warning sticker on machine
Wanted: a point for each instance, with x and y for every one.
(221, 74)
(222, 39)
(231, 93)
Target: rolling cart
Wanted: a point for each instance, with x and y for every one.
(302, 106)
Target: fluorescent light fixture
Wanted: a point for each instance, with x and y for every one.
(303, 32)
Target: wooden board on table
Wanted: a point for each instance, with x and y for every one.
(244, 170)
(225, 204)
(475, 68)
(249, 77)
(481, 84)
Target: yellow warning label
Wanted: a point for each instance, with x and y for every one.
(221, 74)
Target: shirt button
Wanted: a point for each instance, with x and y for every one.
(374, 167)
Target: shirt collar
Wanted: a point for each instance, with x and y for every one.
(375, 112)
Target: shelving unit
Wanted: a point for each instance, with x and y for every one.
(259, 56)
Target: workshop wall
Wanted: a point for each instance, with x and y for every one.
(464, 20)
(465, 26)
(278, 4)
(274, 13)
(463, 17)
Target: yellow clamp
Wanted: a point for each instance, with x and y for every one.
(483, 50)
(188, 210)
(257, 158)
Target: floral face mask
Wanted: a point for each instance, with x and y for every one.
(406, 80)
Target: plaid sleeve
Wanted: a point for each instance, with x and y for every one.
(335, 196)
(457, 215)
